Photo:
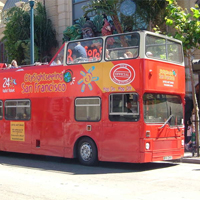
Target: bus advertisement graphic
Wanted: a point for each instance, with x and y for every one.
(43, 83)
(167, 77)
(122, 74)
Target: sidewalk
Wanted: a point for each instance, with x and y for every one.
(188, 158)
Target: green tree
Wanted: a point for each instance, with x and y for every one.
(16, 31)
(151, 12)
(187, 29)
(17, 34)
(107, 7)
(147, 14)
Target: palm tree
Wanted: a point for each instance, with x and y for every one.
(107, 7)
(148, 12)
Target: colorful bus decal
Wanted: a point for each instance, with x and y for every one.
(122, 74)
(167, 78)
(68, 76)
(43, 83)
(9, 85)
(87, 79)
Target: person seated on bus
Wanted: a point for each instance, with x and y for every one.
(149, 54)
(107, 56)
(79, 52)
(24, 116)
(8, 66)
(113, 55)
(128, 107)
(14, 64)
(57, 61)
(171, 57)
(128, 54)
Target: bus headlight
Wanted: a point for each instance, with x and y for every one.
(182, 142)
(147, 146)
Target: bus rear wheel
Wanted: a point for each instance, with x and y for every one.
(87, 152)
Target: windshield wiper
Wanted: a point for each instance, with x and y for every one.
(167, 120)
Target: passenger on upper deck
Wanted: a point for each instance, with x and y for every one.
(57, 61)
(149, 54)
(80, 51)
(128, 54)
(14, 64)
(8, 66)
(107, 56)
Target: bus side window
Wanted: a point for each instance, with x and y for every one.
(15, 109)
(88, 109)
(124, 107)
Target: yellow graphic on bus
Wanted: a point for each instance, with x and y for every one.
(17, 132)
(104, 81)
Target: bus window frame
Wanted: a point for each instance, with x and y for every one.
(17, 118)
(87, 105)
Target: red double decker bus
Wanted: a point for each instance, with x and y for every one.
(118, 98)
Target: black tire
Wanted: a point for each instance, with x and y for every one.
(87, 152)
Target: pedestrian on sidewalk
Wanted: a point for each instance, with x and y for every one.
(189, 135)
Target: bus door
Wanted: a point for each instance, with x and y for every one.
(121, 130)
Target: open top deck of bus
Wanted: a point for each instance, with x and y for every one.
(140, 44)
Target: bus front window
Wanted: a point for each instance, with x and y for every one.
(163, 49)
(158, 108)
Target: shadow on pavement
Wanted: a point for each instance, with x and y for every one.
(64, 165)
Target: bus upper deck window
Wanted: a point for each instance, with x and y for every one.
(123, 46)
(163, 49)
(84, 51)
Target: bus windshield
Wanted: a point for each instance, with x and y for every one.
(159, 107)
(165, 49)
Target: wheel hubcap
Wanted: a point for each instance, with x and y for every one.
(86, 151)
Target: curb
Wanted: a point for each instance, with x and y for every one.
(190, 160)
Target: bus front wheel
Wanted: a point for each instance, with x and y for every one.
(87, 152)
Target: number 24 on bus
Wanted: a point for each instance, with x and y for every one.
(118, 98)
